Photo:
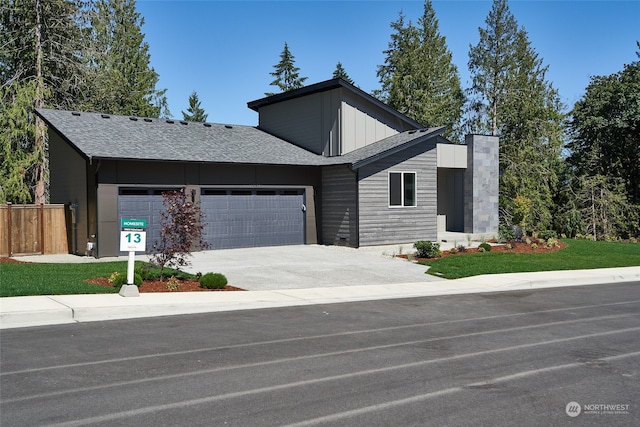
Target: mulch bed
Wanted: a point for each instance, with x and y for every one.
(5, 260)
(158, 286)
(517, 247)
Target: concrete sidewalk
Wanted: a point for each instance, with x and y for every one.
(18, 312)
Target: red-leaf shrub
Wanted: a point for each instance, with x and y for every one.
(182, 225)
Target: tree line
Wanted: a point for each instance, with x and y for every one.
(574, 172)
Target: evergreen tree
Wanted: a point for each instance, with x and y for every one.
(194, 113)
(605, 152)
(419, 78)
(17, 153)
(511, 98)
(287, 75)
(341, 73)
(492, 63)
(41, 42)
(124, 81)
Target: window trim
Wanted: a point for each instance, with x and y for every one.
(402, 190)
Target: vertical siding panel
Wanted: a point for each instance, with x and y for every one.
(339, 207)
(378, 223)
(298, 120)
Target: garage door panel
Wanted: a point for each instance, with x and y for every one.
(233, 218)
(262, 218)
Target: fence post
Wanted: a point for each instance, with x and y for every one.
(42, 228)
(9, 228)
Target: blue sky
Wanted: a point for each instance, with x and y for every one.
(225, 50)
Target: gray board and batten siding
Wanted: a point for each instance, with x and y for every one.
(380, 224)
(331, 118)
(339, 206)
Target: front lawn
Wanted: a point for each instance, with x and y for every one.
(578, 255)
(61, 279)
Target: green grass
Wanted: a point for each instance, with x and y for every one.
(62, 279)
(579, 254)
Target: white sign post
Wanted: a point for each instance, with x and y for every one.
(133, 237)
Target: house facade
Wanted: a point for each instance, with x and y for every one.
(327, 164)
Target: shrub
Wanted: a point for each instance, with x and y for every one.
(508, 246)
(485, 247)
(552, 242)
(505, 234)
(182, 226)
(121, 279)
(548, 234)
(145, 273)
(114, 276)
(462, 248)
(427, 249)
(213, 281)
(534, 246)
(173, 284)
(453, 250)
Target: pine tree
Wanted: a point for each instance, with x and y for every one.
(17, 139)
(419, 78)
(287, 75)
(511, 98)
(194, 113)
(605, 152)
(124, 81)
(492, 62)
(340, 73)
(41, 42)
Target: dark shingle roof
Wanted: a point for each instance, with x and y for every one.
(390, 145)
(121, 137)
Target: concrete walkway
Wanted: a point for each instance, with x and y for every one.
(342, 275)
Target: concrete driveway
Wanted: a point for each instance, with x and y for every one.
(308, 266)
(291, 267)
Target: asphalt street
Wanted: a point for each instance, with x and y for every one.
(528, 358)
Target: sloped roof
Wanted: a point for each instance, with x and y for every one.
(108, 136)
(121, 137)
(386, 147)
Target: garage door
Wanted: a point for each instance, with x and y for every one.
(252, 218)
(233, 218)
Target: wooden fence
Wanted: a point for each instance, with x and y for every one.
(33, 229)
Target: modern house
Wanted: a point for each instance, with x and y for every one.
(327, 164)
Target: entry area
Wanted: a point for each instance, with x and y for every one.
(233, 218)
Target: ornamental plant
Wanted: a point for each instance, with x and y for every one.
(213, 281)
(427, 249)
(485, 247)
(181, 229)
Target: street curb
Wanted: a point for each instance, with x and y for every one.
(18, 312)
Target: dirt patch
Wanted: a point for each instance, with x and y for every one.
(5, 260)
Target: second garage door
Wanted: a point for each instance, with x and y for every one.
(241, 218)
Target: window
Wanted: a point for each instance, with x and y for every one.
(402, 189)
